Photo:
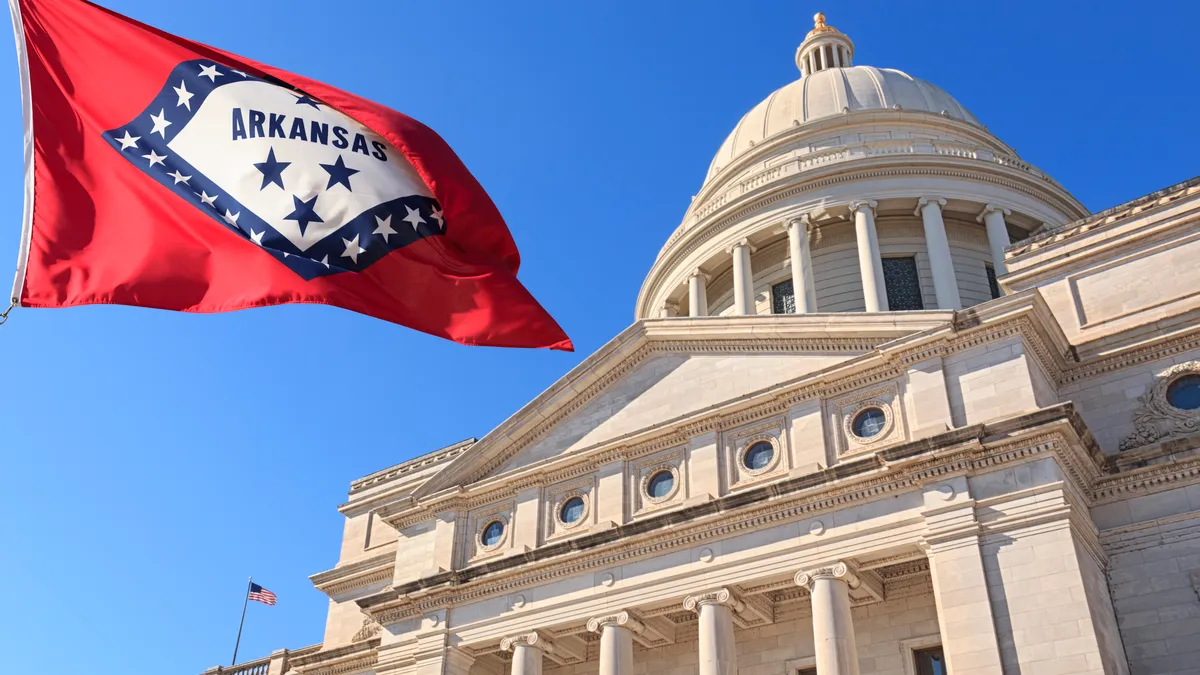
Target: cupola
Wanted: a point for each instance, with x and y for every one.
(823, 48)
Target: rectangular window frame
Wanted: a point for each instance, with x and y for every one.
(916, 272)
(910, 647)
(989, 271)
(783, 299)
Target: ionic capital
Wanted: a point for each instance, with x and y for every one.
(990, 208)
(925, 201)
(867, 204)
(620, 619)
(741, 243)
(720, 596)
(532, 639)
(838, 571)
(697, 273)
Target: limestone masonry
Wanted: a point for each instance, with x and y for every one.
(855, 428)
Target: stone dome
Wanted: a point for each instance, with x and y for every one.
(832, 92)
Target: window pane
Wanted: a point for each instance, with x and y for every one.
(992, 285)
(930, 661)
(783, 298)
(903, 286)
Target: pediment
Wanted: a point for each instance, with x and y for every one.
(663, 369)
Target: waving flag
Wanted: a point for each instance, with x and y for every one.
(259, 594)
(164, 173)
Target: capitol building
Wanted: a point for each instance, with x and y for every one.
(894, 403)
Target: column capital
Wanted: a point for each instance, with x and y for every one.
(531, 639)
(697, 273)
(741, 243)
(621, 619)
(720, 596)
(670, 309)
(838, 571)
(860, 204)
(925, 201)
(989, 208)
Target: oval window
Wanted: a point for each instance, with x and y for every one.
(492, 534)
(758, 456)
(869, 423)
(1184, 393)
(572, 510)
(660, 485)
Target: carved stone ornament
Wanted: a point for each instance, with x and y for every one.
(533, 639)
(621, 619)
(839, 571)
(721, 596)
(1157, 419)
(370, 628)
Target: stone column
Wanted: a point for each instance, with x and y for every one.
(992, 218)
(833, 627)
(669, 309)
(944, 284)
(718, 650)
(743, 278)
(527, 650)
(698, 294)
(798, 251)
(870, 265)
(616, 642)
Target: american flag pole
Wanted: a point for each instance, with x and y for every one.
(245, 602)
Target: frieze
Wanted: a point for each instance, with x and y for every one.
(792, 500)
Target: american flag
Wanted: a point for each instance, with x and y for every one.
(260, 594)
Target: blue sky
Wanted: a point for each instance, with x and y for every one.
(151, 460)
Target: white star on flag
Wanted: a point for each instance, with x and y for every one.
(185, 96)
(352, 249)
(231, 218)
(385, 227)
(211, 73)
(179, 178)
(210, 201)
(129, 141)
(436, 214)
(160, 123)
(155, 158)
(257, 236)
(239, 72)
(414, 217)
(325, 261)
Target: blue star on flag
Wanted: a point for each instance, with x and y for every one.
(304, 212)
(303, 99)
(339, 173)
(272, 170)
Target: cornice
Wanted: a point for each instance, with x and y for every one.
(339, 660)
(891, 470)
(357, 574)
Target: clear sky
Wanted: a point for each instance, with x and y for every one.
(151, 460)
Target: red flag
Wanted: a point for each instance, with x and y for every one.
(164, 173)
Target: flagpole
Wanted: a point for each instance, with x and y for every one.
(245, 602)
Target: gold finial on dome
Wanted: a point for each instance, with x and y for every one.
(819, 25)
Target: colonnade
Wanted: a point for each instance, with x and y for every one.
(870, 262)
(833, 630)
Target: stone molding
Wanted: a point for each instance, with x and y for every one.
(351, 658)
(357, 574)
(988, 208)
(747, 611)
(838, 571)
(1157, 419)
(370, 628)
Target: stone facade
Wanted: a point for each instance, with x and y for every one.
(1005, 485)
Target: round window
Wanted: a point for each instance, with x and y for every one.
(869, 423)
(660, 485)
(492, 534)
(758, 456)
(1184, 393)
(572, 510)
